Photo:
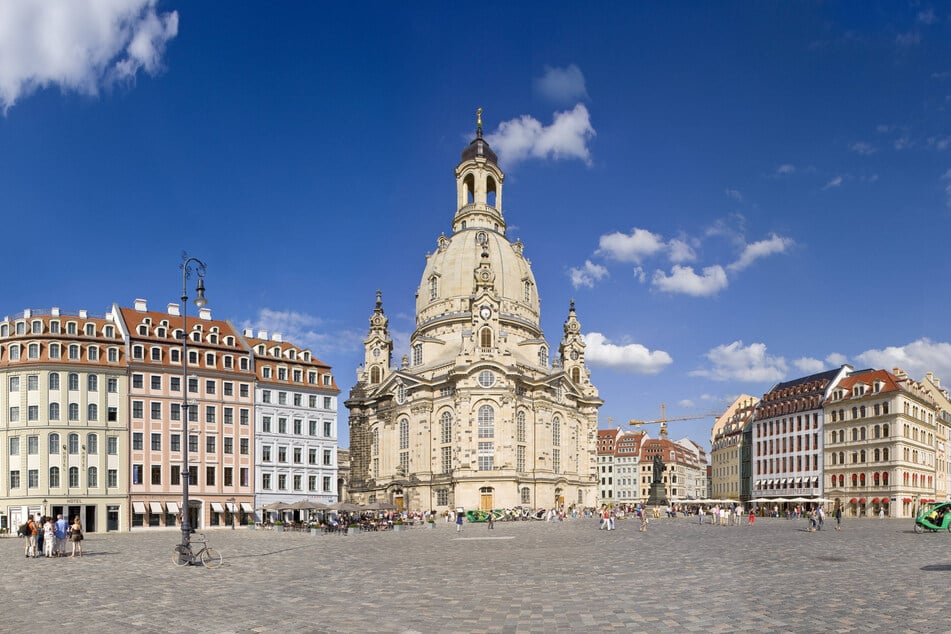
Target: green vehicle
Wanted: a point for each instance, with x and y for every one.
(934, 517)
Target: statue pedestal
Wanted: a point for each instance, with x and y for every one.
(658, 495)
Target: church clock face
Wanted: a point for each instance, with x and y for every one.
(376, 352)
(574, 355)
(485, 312)
(482, 238)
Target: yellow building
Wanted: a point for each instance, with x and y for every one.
(726, 441)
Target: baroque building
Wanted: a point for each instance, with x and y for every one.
(481, 414)
(726, 441)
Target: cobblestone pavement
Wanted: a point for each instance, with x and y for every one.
(874, 575)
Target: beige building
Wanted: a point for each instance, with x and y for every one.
(481, 414)
(64, 423)
(943, 433)
(726, 440)
(881, 444)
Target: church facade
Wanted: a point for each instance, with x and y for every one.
(482, 413)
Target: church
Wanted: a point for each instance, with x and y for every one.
(481, 414)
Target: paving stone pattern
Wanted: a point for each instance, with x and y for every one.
(873, 576)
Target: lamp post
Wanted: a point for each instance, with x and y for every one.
(234, 511)
(200, 302)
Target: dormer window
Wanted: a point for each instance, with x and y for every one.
(90, 330)
(36, 327)
(160, 332)
(142, 329)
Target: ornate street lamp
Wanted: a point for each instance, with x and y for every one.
(200, 302)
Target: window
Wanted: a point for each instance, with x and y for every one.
(175, 442)
(282, 454)
(282, 425)
(74, 476)
(298, 455)
(92, 383)
(137, 409)
(92, 412)
(229, 476)
(32, 382)
(33, 478)
(156, 473)
(520, 427)
(112, 478)
(228, 445)
(328, 402)
(209, 387)
(54, 380)
(520, 458)
(486, 418)
(210, 476)
(156, 442)
(543, 356)
(556, 431)
(282, 482)
(228, 416)
(14, 479)
(33, 412)
(112, 446)
(446, 459)
(73, 444)
(32, 445)
(404, 434)
(92, 444)
(155, 382)
(74, 351)
(265, 453)
(526, 495)
(418, 354)
(243, 445)
(328, 429)
(112, 385)
(137, 441)
(175, 411)
(328, 458)
(243, 389)
(486, 456)
(209, 413)
(265, 396)
(486, 378)
(92, 477)
(14, 384)
(210, 444)
(266, 481)
(155, 410)
(138, 381)
(228, 388)
(445, 428)
(193, 443)
(298, 426)
(54, 477)
(244, 416)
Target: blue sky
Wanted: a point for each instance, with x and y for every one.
(733, 193)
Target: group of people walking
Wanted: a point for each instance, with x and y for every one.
(43, 535)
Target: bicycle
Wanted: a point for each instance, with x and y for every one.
(206, 556)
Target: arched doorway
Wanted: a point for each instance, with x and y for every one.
(398, 500)
(486, 498)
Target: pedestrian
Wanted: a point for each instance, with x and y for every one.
(491, 521)
(32, 531)
(752, 518)
(643, 528)
(61, 527)
(881, 512)
(76, 535)
(820, 518)
(458, 521)
(700, 514)
(838, 518)
(49, 537)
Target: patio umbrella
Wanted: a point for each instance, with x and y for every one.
(276, 506)
(346, 507)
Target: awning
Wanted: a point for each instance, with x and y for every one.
(138, 507)
(853, 500)
(172, 507)
(156, 508)
(906, 500)
(232, 507)
(246, 507)
(798, 483)
(785, 480)
(874, 500)
(861, 500)
(217, 508)
(815, 482)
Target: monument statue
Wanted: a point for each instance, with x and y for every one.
(658, 469)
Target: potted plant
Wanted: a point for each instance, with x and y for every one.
(430, 523)
(251, 522)
(353, 529)
(279, 526)
(314, 528)
(398, 525)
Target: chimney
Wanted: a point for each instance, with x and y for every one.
(204, 314)
(262, 334)
(173, 309)
(82, 314)
(54, 312)
(27, 313)
(278, 337)
(248, 332)
(141, 305)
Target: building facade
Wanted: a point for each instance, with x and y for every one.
(685, 475)
(63, 420)
(726, 442)
(480, 414)
(295, 423)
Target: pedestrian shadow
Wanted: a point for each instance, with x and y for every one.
(271, 552)
(936, 567)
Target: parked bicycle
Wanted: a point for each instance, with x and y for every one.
(185, 555)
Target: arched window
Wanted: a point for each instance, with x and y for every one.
(92, 477)
(834, 456)
(884, 478)
(862, 433)
(73, 411)
(445, 424)
(92, 383)
(885, 454)
(404, 434)
(885, 431)
(54, 477)
(54, 443)
(485, 338)
(877, 455)
(520, 427)
(855, 434)
(73, 446)
(862, 456)
(92, 412)
(555, 431)
(92, 444)
(374, 374)
(74, 476)
(468, 184)
(855, 480)
(841, 457)
(54, 411)
(862, 479)
(576, 375)
(841, 480)
(875, 478)
(486, 418)
(54, 380)
(877, 431)
(73, 381)
(543, 356)
(433, 287)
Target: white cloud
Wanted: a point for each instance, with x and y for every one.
(735, 194)
(632, 357)
(915, 358)
(587, 275)
(786, 169)
(525, 137)
(939, 143)
(927, 16)
(761, 249)
(903, 143)
(683, 279)
(640, 274)
(836, 360)
(633, 247)
(835, 182)
(738, 363)
(79, 45)
(562, 85)
(808, 365)
(860, 147)
(680, 251)
(911, 38)
(947, 187)
(306, 331)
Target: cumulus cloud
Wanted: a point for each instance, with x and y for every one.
(632, 247)
(761, 249)
(306, 331)
(785, 169)
(587, 275)
(927, 16)
(561, 85)
(640, 274)
(836, 360)
(683, 279)
(737, 362)
(915, 358)
(912, 38)
(863, 148)
(808, 365)
(632, 357)
(680, 251)
(79, 45)
(525, 137)
(903, 143)
(735, 194)
(835, 182)
(939, 143)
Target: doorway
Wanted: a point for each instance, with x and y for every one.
(486, 498)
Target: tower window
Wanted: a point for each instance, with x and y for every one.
(485, 338)
(433, 287)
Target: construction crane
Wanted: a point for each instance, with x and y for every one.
(663, 420)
